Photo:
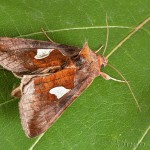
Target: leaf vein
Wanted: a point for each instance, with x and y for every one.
(36, 141)
(141, 139)
(76, 28)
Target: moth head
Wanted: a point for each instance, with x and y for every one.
(102, 61)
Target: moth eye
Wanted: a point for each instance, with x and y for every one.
(59, 91)
(42, 53)
(102, 66)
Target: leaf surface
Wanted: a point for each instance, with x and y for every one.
(105, 116)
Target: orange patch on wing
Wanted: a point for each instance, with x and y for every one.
(63, 78)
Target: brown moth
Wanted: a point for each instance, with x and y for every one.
(52, 77)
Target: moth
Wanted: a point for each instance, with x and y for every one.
(52, 76)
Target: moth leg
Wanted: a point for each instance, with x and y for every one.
(17, 75)
(47, 35)
(107, 77)
(99, 49)
(16, 92)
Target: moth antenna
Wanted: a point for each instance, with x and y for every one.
(47, 35)
(136, 101)
(107, 35)
(128, 36)
(99, 49)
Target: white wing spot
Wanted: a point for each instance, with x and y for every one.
(42, 53)
(59, 91)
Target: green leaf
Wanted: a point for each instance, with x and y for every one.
(105, 116)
